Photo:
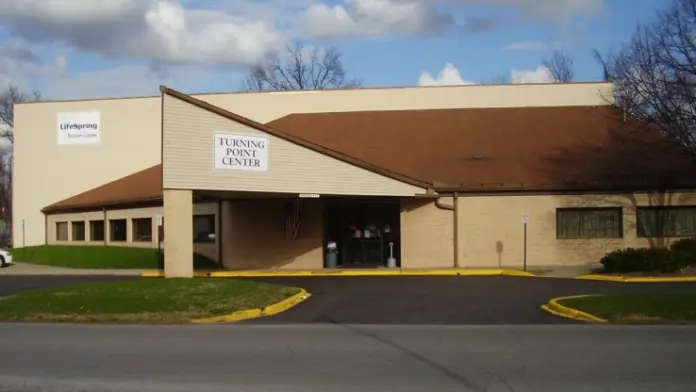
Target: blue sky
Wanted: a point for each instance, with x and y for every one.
(103, 48)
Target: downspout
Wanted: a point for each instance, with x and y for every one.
(218, 235)
(45, 229)
(455, 223)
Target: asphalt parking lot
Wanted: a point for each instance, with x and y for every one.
(406, 300)
(467, 300)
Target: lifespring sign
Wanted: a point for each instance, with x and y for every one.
(79, 128)
(240, 152)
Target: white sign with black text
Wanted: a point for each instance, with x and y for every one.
(240, 152)
(77, 128)
(525, 217)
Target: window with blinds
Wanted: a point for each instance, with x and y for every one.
(574, 223)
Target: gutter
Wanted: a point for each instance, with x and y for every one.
(455, 218)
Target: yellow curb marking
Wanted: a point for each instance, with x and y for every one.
(554, 307)
(643, 279)
(375, 272)
(248, 314)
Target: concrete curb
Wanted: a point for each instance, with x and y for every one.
(554, 307)
(160, 273)
(349, 272)
(644, 279)
(258, 312)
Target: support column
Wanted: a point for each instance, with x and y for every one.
(178, 228)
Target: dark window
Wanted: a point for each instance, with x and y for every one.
(61, 231)
(118, 230)
(588, 223)
(203, 226)
(96, 230)
(78, 231)
(142, 230)
(665, 222)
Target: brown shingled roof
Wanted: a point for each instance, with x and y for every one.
(524, 148)
(143, 186)
(542, 148)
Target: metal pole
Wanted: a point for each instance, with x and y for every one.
(525, 247)
(24, 242)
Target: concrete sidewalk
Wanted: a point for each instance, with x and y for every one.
(21, 268)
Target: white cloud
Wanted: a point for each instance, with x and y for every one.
(374, 18)
(153, 30)
(352, 18)
(544, 9)
(20, 61)
(539, 75)
(450, 76)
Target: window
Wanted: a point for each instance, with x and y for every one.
(666, 221)
(203, 226)
(588, 223)
(78, 231)
(61, 231)
(117, 230)
(96, 230)
(142, 230)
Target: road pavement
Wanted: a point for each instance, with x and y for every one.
(350, 358)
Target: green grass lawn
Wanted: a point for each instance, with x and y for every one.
(639, 308)
(118, 257)
(141, 301)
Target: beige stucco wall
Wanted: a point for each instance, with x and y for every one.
(209, 250)
(45, 173)
(188, 161)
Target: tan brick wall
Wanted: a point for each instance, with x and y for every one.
(209, 250)
(491, 230)
(254, 236)
(426, 234)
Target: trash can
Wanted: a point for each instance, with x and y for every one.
(331, 255)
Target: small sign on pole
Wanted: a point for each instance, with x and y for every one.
(525, 220)
(160, 220)
(525, 217)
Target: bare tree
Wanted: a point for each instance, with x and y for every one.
(300, 68)
(654, 74)
(8, 98)
(6, 187)
(561, 66)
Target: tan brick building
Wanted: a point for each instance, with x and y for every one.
(446, 175)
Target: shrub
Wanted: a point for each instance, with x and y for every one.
(684, 251)
(639, 260)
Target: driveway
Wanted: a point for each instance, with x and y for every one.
(469, 300)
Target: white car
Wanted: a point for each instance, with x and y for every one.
(5, 258)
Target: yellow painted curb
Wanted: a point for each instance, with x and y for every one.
(248, 314)
(370, 272)
(160, 273)
(554, 307)
(644, 279)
